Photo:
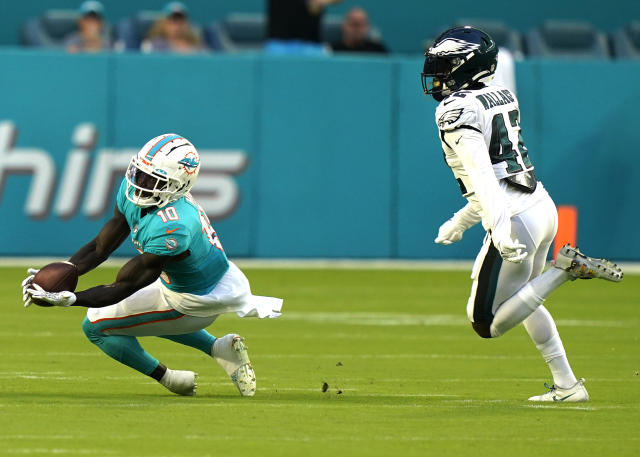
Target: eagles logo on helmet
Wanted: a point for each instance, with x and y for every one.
(163, 171)
(458, 59)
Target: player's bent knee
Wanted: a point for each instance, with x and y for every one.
(482, 328)
(90, 330)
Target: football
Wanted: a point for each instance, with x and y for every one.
(56, 277)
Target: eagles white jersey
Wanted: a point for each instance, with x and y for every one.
(483, 146)
(492, 111)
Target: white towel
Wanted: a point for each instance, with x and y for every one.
(261, 307)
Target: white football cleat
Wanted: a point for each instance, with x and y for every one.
(231, 353)
(180, 382)
(574, 394)
(579, 266)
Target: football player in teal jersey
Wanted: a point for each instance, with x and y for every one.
(479, 127)
(179, 283)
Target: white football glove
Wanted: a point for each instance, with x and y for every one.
(26, 284)
(450, 232)
(511, 250)
(64, 298)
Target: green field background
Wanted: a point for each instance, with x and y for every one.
(406, 376)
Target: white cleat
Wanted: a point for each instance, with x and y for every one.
(574, 394)
(579, 266)
(231, 353)
(180, 382)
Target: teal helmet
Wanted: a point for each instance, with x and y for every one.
(459, 58)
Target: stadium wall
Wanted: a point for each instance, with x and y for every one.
(404, 25)
(302, 157)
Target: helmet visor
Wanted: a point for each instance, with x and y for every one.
(436, 70)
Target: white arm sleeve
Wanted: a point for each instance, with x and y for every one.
(471, 149)
(467, 217)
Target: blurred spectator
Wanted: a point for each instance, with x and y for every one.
(173, 32)
(92, 35)
(356, 34)
(294, 25)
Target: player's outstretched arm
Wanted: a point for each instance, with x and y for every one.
(137, 273)
(92, 254)
(110, 237)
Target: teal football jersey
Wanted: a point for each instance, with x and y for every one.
(179, 226)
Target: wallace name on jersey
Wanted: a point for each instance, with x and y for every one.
(497, 98)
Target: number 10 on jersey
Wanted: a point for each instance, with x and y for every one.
(170, 214)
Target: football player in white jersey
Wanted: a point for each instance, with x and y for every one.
(479, 127)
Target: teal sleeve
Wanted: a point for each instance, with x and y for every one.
(121, 197)
(169, 242)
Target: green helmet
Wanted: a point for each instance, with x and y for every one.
(458, 58)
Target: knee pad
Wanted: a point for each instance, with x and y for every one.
(90, 330)
(482, 328)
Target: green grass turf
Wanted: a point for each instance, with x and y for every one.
(414, 378)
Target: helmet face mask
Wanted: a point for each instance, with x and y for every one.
(163, 171)
(147, 182)
(147, 188)
(435, 74)
(458, 58)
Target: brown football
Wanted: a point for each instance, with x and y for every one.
(56, 277)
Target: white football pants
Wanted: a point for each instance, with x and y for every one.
(496, 280)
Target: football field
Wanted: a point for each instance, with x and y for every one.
(403, 371)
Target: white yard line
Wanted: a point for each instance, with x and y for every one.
(398, 319)
(55, 451)
(565, 406)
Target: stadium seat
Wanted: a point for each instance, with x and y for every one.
(212, 36)
(248, 31)
(238, 32)
(50, 29)
(504, 36)
(567, 39)
(130, 31)
(626, 41)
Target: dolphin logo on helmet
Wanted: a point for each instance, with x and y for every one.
(190, 163)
